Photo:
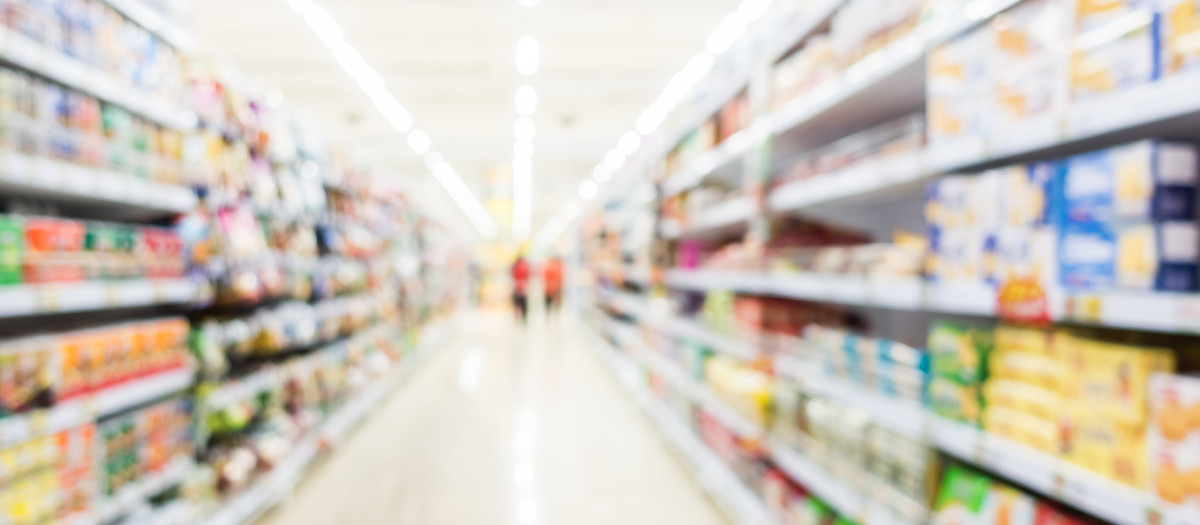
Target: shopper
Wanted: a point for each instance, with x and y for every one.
(552, 279)
(520, 276)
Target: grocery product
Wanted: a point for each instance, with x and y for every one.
(1143, 181)
(959, 357)
(1116, 46)
(1174, 439)
(967, 496)
(41, 370)
(1180, 25)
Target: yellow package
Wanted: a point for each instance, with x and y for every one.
(1113, 450)
(1180, 33)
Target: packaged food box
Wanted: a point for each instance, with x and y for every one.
(1105, 60)
(959, 352)
(1029, 43)
(1087, 255)
(12, 248)
(1142, 181)
(28, 375)
(1179, 32)
(959, 77)
(1174, 439)
(1158, 256)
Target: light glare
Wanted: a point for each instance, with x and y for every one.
(528, 55)
(526, 100)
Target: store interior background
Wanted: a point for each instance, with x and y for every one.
(826, 262)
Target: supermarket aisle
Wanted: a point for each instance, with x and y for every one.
(504, 425)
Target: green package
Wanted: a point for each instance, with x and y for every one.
(12, 249)
(962, 495)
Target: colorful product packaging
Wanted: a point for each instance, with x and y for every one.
(1142, 181)
(1180, 33)
(1174, 439)
(1116, 47)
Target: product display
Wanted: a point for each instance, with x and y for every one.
(295, 252)
(998, 263)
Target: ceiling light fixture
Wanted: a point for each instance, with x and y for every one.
(588, 190)
(331, 34)
(522, 149)
(528, 3)
(524, 129)
(630, 142)
(526, 100)
(527, 55)
(419, 142)
(614, 159)
(601, 174)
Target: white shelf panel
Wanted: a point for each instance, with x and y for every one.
(727, 214)
(154, 22)
(51, 178)
(1149, 311)
(723, 156)
(42, 299)
(32, 56)
(79, 411)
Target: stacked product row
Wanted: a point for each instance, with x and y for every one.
(308, 268)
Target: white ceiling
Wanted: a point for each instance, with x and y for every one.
(452, 64)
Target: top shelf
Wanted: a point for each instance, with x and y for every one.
(154, 22)
(27, 54)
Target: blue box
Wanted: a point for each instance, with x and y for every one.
(1142, 181)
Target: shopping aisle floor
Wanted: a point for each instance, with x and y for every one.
(503, 425)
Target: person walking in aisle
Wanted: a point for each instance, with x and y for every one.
(520, 277)
(552, 279)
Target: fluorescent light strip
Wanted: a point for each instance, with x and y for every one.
(331, 34)
(527, 55)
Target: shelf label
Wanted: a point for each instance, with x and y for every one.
(49, 301)
(1023, 299)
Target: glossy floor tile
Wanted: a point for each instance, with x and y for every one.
(506, 424)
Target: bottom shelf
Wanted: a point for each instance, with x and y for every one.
(738, 502)
(266, 492)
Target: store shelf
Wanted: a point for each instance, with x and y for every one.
(700, 334)
(248, 505)
(131, 497)
(732, 419)
(725, 215)
(722, 485)
(20, 428)
(154, 22)
(32, 56)
(724, 159)
(862, 179)
(1055, 478)
(42, 299)
(1148, 311)
(51, 179)
(1045, 474)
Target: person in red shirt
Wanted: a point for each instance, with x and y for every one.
(520, 277)
(552, 276)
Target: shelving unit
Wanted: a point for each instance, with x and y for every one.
(36, 58)
(117, 193)
(155, 22)
(42, 299)
(20, 428)
(717, 479)
(1148, 311)
(876, 196)
(267, 491)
